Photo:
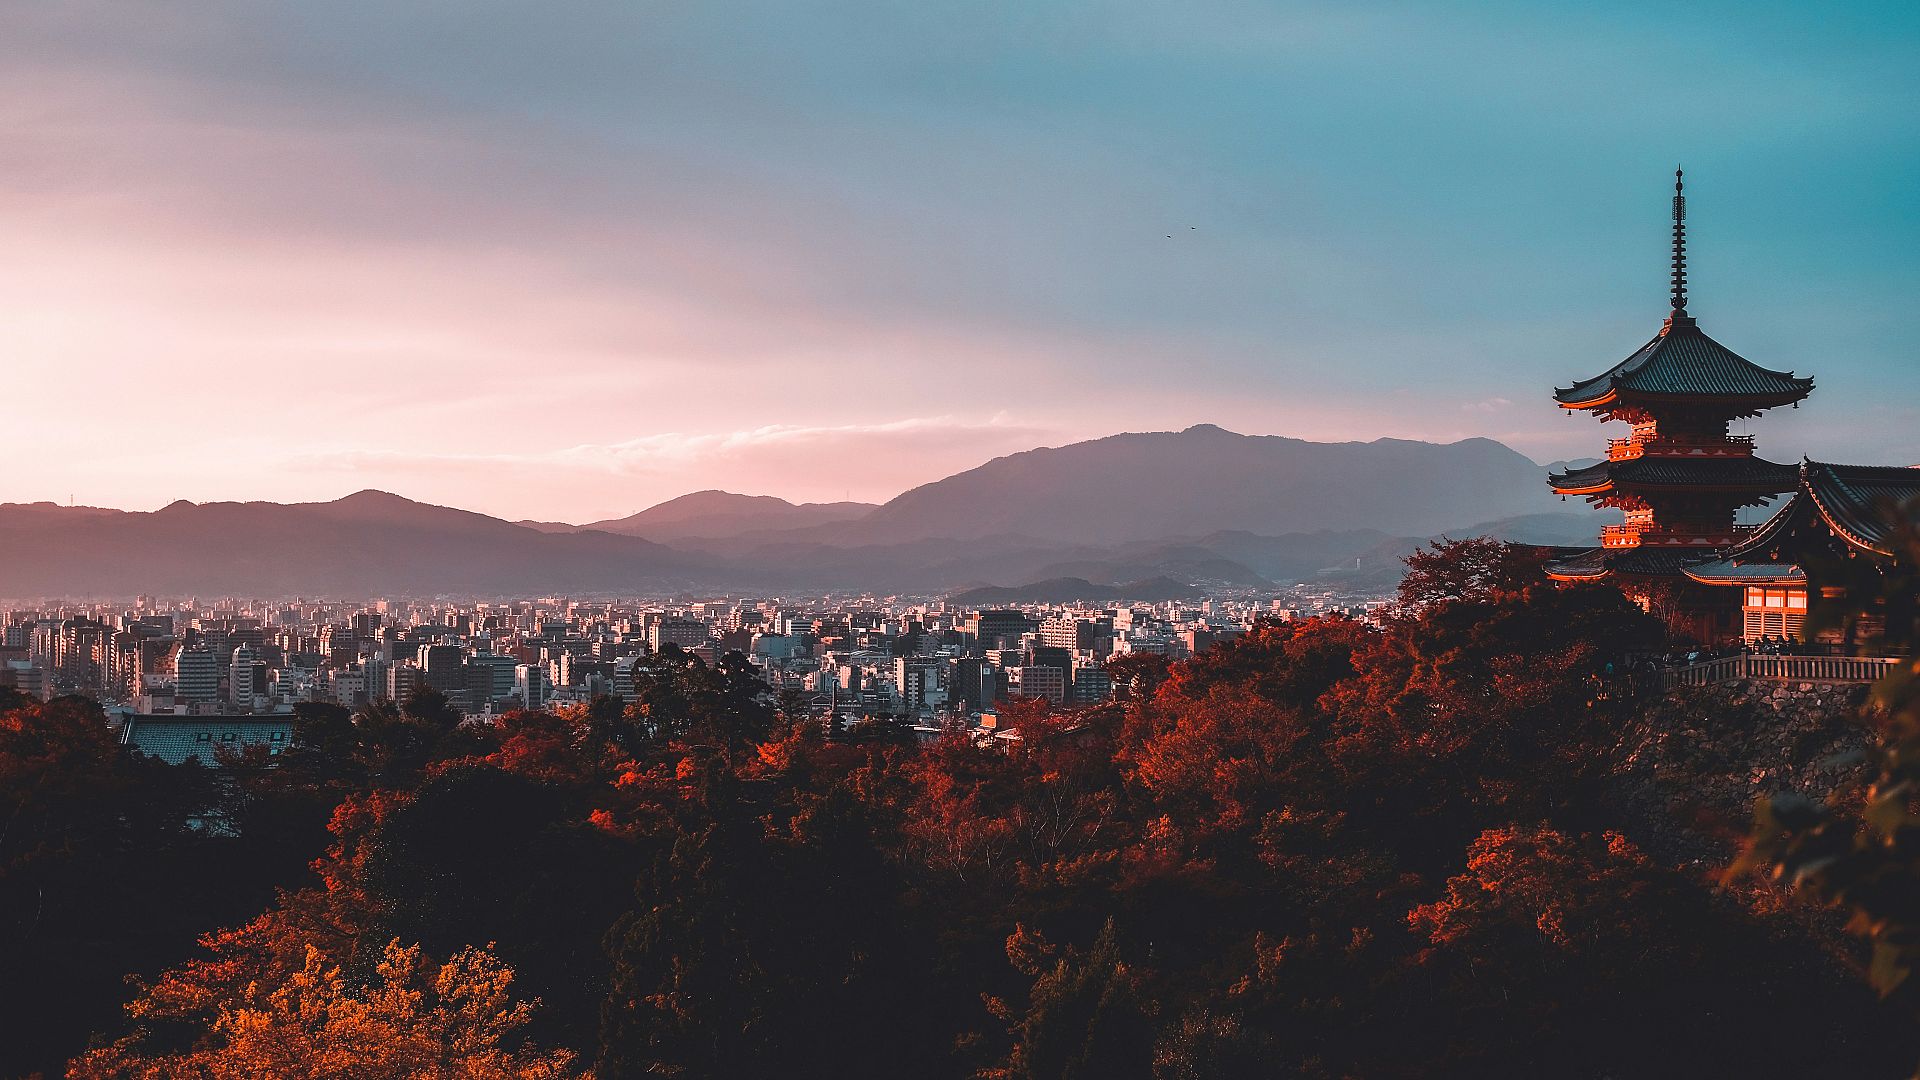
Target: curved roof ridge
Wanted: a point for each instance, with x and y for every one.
(1855, 500)
(1683, 360)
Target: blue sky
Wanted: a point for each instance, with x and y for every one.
(567, 260)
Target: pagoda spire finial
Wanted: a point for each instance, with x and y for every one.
(1679, 243)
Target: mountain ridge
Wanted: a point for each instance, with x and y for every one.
(1204, 505)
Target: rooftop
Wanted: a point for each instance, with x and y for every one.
(174, 739)
(1862, 504)
(1683, 362)
(1596, 563)
(1739, 473)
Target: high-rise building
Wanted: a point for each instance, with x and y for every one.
(685, 633)
(916, 681)
(1038, 681)
(442, 667)
(402, 681)
(26, 677)
(196, 675)
(530, 685)
(491, 676)
(246, 677)
(1091, 684)
(990, 629)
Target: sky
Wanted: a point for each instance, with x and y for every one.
(565, 260)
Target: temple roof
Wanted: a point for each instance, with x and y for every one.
(1726, 572)
(1861, 504)
(1596, 563)
(1744, 473)
(1681, 361)
(174, 739)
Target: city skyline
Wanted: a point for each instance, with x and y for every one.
(569, 265)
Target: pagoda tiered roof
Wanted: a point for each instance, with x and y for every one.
(1735, 473)
(1596, 563)
(1863, 505)
(1682, 362)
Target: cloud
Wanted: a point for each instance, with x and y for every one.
(1488, 405)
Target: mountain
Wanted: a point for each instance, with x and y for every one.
(1290, 557)
(721, 514)
(1069, 590)
(1202, 507)
(1577, 529)
(367, 543)
(1151, 486)
(547, 526)
(1571, 464)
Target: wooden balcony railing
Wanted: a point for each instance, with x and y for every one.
(1680, 446)
(1650, 534)
(1815, 669)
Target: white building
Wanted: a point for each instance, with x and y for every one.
(530, 685)
(196, 675)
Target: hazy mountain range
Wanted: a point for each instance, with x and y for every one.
(715, 514)
(1201, 506)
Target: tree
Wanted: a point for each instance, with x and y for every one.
(1086, 1017)
(413, 1020)
(85, 825)
(1476, 568)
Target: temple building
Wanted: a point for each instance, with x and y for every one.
(1681, 478)
(1844, 523)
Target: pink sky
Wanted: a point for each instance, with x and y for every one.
(256, 257)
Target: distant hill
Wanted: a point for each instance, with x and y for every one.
(1580, 528)
(365, 544)
(1068, 590)
(1202, 480)
(547, 526)
(1571, 464)
(721, 514)
(1291, 557)
(1201, 507)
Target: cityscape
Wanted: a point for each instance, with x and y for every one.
(930, 664)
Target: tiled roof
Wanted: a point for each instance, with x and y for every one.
(1864, 504)
(1748, 473)
(1599, 562)
(1687, 363)
(1725, 572)
(174, 739)
(1860, 503)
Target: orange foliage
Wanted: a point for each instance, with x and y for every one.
(1572, 895)
(413, 1020)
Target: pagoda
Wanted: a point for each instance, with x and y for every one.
(1680, 476)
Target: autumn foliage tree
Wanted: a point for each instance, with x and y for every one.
(413, 1020)
(1321, 848)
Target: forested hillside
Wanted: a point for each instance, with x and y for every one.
(1321, 850)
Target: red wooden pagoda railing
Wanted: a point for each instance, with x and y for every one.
(1680, 446)
(1645, 534)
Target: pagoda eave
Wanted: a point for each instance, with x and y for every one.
(1751, 489)
(1601, 562)
(1614, 402)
